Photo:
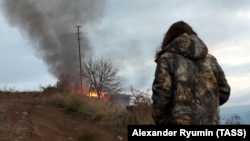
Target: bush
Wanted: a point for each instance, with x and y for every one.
(140, 111)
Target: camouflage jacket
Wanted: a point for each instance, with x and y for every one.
(189, 84)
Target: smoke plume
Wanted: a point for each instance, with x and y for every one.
(51, 28)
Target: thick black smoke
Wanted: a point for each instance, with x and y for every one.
(50, 26)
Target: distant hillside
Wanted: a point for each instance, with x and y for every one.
(242, 111)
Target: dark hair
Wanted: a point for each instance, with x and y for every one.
(174, 31)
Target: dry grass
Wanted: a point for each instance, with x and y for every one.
(100, 111)
(140, 111)
(140, 114)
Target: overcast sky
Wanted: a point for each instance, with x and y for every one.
(129, 32)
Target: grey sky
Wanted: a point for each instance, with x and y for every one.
(129, 32)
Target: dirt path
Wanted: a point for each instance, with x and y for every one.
(23, 120)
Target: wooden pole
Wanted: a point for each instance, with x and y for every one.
(79, 49)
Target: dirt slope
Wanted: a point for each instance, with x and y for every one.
(21, 119)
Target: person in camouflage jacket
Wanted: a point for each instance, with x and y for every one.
(189, 84)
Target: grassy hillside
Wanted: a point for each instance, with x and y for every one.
(100, 111)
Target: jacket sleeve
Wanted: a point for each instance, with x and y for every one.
(161, 88)
(223, 86)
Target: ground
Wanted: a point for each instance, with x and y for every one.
(22, 119)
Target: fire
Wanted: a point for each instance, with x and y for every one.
(95, 95)
(92, 93)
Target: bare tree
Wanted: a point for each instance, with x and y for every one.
(140, 111)
(140, 97)
(102, 76)
(232, 120)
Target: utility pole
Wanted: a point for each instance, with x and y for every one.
(79, 49)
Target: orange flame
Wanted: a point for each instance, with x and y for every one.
(92, 93)
(95, 95)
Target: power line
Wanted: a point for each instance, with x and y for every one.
(79, 49)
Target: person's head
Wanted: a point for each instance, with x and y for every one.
(176, 30)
